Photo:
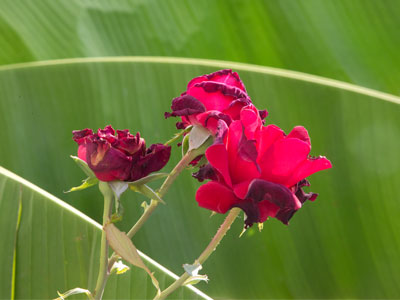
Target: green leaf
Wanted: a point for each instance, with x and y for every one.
(56, 248)
(123, 246)
(343, 245)
(355, 41)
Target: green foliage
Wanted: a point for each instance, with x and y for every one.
(354, 41)
(344, 245)
(56, 248)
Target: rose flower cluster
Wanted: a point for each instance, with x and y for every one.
(255, 167)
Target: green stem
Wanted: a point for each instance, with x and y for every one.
(230, 218)
(103, 270)
(182, 164)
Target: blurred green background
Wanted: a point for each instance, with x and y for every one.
(345, 245)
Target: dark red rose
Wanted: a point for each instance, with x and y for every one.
(209, 98)
(123, 157)
(259, 169)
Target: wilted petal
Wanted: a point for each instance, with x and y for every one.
(216, 197)
(278, 194)
(205, 172)
(80, 135)
(184, 106)
(156, 158)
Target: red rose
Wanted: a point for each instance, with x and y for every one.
(259, 169)
(123, 157)
(209, 98)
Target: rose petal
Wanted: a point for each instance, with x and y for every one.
(299, 132)
(80, 135)
(216, 197)
(156, 158)
(108, 163)
(307, 168)
(267, 136)
(214, 95)
(217, 156)
(278, 194)
(242, 155)
(224, 76)
(210, 120)
(184, 106)
(282, 159)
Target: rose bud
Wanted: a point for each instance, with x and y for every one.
(123, 157)
(259, 169)
(217, 96)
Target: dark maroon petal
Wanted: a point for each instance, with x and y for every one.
(205, 172)
(156, 158)
(263, 114)
(184, 106)
(107, 133)
(106, 162)
(132, 145)
(251, 210)
(278, 194)
(222, 130)
(80, 135)
(180, 125)
(301, 195)
(213, 115)
(225, 76)
(247, 150)
(227, 90)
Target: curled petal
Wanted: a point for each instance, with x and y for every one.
(214, 95)
(184, 106)
(224, 76)
(216, 197)
(205, 172)
(210, 120)
(277, 194)
(80, 135)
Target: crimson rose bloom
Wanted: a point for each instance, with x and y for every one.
(123, 157)
(209, 98)
(259, 169)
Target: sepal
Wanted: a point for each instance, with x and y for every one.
(146, 191)
(193, 271)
